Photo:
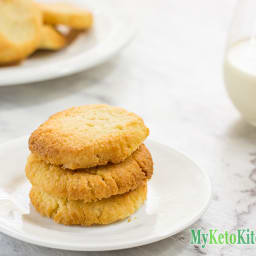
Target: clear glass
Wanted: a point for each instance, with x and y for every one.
(240, 60)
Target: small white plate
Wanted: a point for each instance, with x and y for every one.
(179, 193)
(110, 33)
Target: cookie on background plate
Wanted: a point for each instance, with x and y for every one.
(76, 212)
(94, 183)
(51, 38)
(20, 26)
(88, 136)
(66, 14)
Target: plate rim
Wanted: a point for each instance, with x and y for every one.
(17, 235)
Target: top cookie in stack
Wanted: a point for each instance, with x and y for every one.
(88, 136)
(89, 165)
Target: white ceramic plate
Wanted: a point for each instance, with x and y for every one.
(179, 193)
(109, 34)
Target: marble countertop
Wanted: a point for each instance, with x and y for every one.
(171, 74)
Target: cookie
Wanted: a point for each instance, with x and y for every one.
(20, 25)
(77, 212)
(51, 38)
(94, 183)
(19, 34)
(66, 14)
(88, 136)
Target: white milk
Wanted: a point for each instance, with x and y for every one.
(240, 78)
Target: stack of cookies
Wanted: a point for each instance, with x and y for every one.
(88, 165)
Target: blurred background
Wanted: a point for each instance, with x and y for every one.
(171, 75)
(172, 67)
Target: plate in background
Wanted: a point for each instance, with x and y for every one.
(110, 33)
(178, 195)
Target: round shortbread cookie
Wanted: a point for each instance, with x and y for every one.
(94, 183)
(20, 29)
(73, 212)
(66, 14)
(88, 136)
(52, 39)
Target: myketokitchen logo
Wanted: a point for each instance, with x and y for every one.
(214, 236)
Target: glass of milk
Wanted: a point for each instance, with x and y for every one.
(240, 60)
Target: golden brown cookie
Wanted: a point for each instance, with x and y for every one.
(94, 183)
(20, 25)
(88, 136)
(51, 38)
(72, 212)
(66, 14)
